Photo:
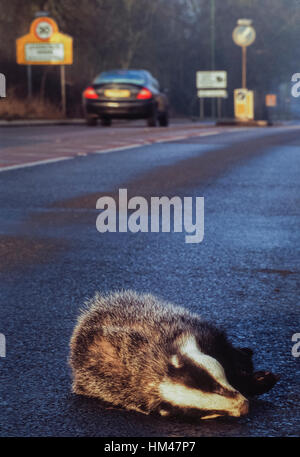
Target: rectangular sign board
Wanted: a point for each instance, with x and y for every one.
(271, 100)
(211, 79)
(211, 93)
(244, 104)
(44, 52)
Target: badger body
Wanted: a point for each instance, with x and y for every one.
(141, 353)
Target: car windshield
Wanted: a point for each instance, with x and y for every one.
(121, 76)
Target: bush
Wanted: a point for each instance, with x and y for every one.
(13, 107)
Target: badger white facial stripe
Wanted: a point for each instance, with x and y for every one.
(190, 349)
(181, 396)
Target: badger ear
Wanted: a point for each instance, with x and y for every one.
(175, 361)
(102, 350)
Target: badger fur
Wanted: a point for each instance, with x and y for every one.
(144, 354)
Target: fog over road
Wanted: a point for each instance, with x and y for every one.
(244, 276)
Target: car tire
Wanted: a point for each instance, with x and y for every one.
(163, 119)
(91, 121)
(152, 120)
(106, 122)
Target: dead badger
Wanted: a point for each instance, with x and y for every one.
(143, 354)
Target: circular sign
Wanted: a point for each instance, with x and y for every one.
(43, 29)
(244, 35)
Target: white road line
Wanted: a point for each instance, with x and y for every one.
(175, 138)
(33, 164)
(209, 133)
(186, 137)
(106, 151)
(120, 148)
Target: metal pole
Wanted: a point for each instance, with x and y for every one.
(219, 108)
(213, 45)
(244, 67)
(201, 108)
(63, 89)
(29, 81)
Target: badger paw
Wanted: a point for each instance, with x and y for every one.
(263, 381)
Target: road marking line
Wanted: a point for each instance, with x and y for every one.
(106, 151)
(185, 137)
(175, 138)
(33, 164)
(120, 148)
(208, 133)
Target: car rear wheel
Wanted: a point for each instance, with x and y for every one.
(106, 121)
(152, 121)
(91, 121)
(163, 119)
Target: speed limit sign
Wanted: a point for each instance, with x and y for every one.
(44, 28)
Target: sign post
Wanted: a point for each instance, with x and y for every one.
(45, 45)
(271, 103)
(244, 35)
(29, 81)
(211, 84)
(244, 65)
(63, 88)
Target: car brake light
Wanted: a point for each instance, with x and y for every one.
(144, 94)
(90, 93)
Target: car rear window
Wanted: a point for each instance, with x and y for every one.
(121, 76)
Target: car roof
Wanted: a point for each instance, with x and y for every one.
(124, 71)
(143, 74)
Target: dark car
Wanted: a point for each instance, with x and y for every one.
(125, 94)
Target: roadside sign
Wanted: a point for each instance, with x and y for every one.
(44, 28)
(44, 45)
(244, 34)
(44, 52)
(244, 104)
(271, 100)
(250, 104)
(212, 93)
(211, 79)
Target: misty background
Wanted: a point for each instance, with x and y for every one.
(171, 38)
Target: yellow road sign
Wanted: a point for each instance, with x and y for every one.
(44, 45)
(244, 104)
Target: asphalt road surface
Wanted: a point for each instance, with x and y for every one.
(244, 276)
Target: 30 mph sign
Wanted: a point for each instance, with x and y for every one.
(44, 45)
(44, 29)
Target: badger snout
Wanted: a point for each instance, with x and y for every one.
(240, 407)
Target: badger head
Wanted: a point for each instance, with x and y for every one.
(196, 384)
